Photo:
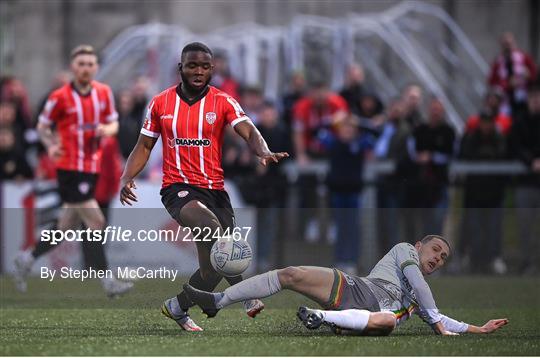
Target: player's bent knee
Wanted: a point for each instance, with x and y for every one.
(381, 323)
(290, 276)
(389, 321)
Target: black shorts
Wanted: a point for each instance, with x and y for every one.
(175, 196)
(76, 187)
(350, 292)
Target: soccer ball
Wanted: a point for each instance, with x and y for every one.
(230, 258)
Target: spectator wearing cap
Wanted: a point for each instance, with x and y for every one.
(512, 71)
(483, 197)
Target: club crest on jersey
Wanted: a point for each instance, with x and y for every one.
(211, 117)
(189, 142)
(183, 193)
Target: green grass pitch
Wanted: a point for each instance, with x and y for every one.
(69, 318)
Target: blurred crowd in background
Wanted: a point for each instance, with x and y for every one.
(348, 129)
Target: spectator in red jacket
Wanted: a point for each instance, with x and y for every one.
(512, 71)
(492, 104)
(312, 113)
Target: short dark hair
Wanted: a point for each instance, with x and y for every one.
(82, 50)
(428, 238)
(195, 46)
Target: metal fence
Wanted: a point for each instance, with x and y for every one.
(411, 42)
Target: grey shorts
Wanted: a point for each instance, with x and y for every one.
(350, 292)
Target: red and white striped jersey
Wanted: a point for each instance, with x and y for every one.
(192, 134)
(76, 117)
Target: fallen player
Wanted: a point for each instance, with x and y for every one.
(372, 305)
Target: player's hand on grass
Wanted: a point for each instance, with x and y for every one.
(127, 195)
(270, 157)
(439, 329)
(493, 325)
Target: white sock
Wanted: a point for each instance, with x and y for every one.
(356, 320)
(27, 258)
(259, 286)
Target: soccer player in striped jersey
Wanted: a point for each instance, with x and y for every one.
(372, 305)
(191, 118)
(74, 119)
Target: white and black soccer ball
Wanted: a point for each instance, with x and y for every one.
(230, 258)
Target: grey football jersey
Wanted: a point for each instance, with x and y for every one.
(390, 267)
(388, 276)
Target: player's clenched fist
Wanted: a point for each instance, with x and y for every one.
(127, 195)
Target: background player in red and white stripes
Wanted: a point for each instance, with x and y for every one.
(191, 119)
(75, 118)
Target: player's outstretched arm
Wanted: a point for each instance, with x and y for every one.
(450, 326)
(439, 328)
(135, 163)
(257, 144)
(489, 327)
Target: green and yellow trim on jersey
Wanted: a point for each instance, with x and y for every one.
(336, 294)
(407, 263)
(404, 313)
